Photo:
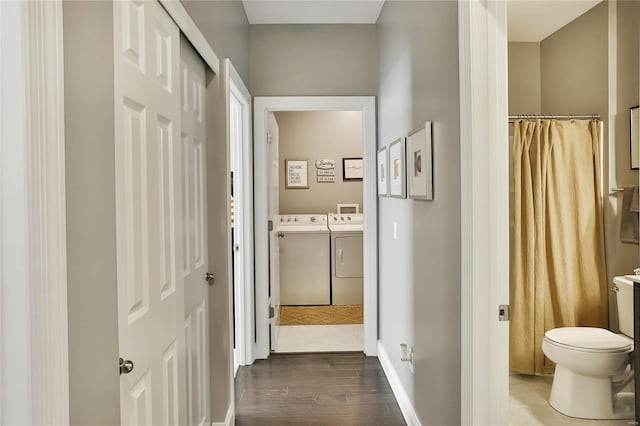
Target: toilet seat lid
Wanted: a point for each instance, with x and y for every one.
(589, 338)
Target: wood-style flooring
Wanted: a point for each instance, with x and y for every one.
(339, 389)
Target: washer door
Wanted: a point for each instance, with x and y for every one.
(348, 257)
(304, 269)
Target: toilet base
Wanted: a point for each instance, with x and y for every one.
(585, 397)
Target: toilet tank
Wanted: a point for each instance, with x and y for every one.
(623, 286)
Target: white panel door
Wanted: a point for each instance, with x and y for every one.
(148, 214)
(273, 140)
(194, 241)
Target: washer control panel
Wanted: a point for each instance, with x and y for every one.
(302, 219)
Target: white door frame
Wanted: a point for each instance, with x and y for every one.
(365, 104)
(234, 86)
(484, 157)
(33, 264)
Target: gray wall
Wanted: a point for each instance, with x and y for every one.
(524, 78)
(314, 136)
(420, 271)
(94, 385)
(224, 24)
(574, 72)
(218, 173)
(313, 60)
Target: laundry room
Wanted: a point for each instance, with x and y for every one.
(317, 258)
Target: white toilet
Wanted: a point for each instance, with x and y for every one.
(594, 376)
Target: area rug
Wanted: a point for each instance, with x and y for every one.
(321, 315)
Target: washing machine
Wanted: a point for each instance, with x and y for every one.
(305, 277)
(346, 258)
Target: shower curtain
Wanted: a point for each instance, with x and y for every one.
(558, 275)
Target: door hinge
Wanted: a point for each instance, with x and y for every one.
(270, 225)
(269, 138)
(504, 313)
(272, 312)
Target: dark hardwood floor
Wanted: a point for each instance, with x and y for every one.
(315, 389)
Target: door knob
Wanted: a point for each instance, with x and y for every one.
(126, 366)
(210, 278)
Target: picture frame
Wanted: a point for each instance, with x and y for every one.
(397, 169)
(352, 169)
(382, 172)
(634, 137)
(420, 163)
(296, 173)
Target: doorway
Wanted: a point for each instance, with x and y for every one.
(267, 295)
(485, 134)
(316, 261)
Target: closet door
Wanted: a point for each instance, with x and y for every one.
(149, 224)
(194, 241)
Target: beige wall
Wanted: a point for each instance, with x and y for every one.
(524, 78)
(315, 136)
(573, 64)
(94, 384)
(627, 80)
(313, 60)
(574, 80)
(419, 271)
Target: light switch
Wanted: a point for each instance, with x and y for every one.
(395, 230)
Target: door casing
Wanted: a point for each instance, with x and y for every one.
(366, 105)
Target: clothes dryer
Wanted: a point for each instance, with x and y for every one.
(346, 258)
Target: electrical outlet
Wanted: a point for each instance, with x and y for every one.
(406, 355)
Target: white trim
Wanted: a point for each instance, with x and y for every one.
(229, 419)
(49, 253)
(183, 20)
(366, 104)
(404, 401)
(484, 208)
(236, 87)
(38, 190)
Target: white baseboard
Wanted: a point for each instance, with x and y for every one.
(406, 406)
(229, 419)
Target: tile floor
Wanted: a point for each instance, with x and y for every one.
(529, 405)
(320, 338)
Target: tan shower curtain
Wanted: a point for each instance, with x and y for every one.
(558, 275)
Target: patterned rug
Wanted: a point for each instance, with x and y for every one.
(321, 315)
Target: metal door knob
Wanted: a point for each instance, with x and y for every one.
(126, 366)
(210, 278)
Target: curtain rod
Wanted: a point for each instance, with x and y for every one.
(513, 118)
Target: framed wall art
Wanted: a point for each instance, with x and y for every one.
(420, 163)
(397, 173)
(383, 173)
(352, 169)
(634, 137)
(296, 174)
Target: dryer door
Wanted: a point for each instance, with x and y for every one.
(348, 257)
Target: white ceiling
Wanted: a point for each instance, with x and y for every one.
(313, 11)
(535, 20)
